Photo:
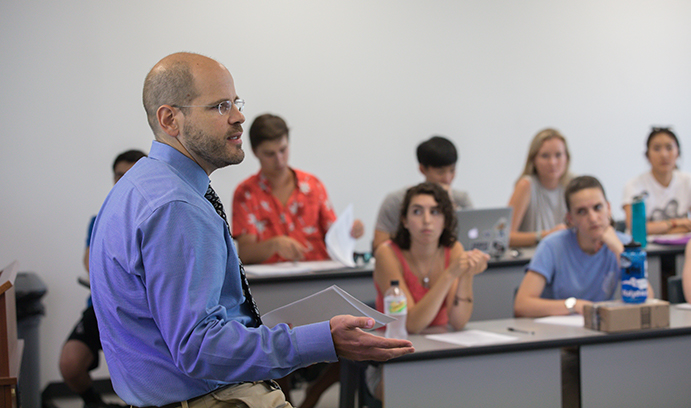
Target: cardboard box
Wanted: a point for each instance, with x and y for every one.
(617, 316)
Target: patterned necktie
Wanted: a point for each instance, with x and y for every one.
(218, 206)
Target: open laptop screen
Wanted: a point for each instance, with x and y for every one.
(486, 229)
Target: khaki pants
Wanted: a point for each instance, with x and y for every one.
(261, 394)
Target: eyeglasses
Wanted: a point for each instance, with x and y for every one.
(223, 107)
(661, 129)
(365, 256)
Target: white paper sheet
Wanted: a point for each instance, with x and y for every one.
(323, 306)
(291, 268)
(683, 306)
(575, 320)
(471, 338)
(339, 243)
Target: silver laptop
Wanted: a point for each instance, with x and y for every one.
(486, 229)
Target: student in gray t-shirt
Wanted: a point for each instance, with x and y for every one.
(437, 158)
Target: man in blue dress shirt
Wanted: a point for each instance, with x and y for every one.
(176, 326)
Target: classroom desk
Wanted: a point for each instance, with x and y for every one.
(492, 297)
(493, 290)
(644, 368)
(640, 369)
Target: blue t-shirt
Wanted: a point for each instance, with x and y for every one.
(571, 272)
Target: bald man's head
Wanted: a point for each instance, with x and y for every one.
(171, 82)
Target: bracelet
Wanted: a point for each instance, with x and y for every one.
(538, 236)
(457, 299)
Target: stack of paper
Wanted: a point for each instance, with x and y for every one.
(339, 243)
(322, 306)
(292, 268)
(471, 338)
(574, 320)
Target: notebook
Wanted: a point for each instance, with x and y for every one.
(486, 229)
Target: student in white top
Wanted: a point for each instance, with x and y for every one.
(668, 188)
(538, 197)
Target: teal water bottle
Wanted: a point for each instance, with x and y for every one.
(638, 230)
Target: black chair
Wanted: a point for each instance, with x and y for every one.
(675, 290)
(620, 225)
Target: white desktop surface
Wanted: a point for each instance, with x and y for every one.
(643, 368)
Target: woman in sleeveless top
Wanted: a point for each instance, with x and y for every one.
(433, 270)
(538, 202)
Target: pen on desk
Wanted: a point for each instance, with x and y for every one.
(513, 329)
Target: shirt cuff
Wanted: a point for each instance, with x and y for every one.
(315, 344)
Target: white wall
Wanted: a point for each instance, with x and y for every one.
(360, 83)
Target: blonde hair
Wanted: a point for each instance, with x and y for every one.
(540, 138)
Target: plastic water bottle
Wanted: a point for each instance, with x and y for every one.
(634, 274)
(396, 306)
(638, 229)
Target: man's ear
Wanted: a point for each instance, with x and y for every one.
(423, 170)
(168, 120)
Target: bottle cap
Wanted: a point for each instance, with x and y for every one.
(394, 282)
(632, 245)
(640, 197)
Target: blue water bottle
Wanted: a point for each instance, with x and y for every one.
(638, 230)
(634, 274)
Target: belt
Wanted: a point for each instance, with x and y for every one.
(273, 385)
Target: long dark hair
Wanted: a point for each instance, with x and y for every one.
(441, 196)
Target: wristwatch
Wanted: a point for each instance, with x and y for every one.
(570, 304)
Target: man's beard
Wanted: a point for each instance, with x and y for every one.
(213, 150)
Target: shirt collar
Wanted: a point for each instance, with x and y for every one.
(185, 167)
(266, 186)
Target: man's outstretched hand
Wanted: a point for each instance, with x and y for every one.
(354, 344)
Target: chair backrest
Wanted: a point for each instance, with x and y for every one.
(675, 290)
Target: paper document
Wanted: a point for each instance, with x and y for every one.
(683, 306)
(339, 243)
(322, 306)
(292, 268)
(471, 338)
(575, 320)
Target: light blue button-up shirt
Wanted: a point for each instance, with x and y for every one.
(167, 293)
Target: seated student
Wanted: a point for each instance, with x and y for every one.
(280, 213)
(538, 197)
(668, 188)
(433, 270)
(283, 214)
(575, 266)
(80, 353)
(686, 274)
(437, 159)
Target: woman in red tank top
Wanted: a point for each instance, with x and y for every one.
(433, 270)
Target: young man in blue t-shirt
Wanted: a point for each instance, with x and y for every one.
(576, 266)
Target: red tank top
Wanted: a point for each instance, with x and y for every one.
(415, 286)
